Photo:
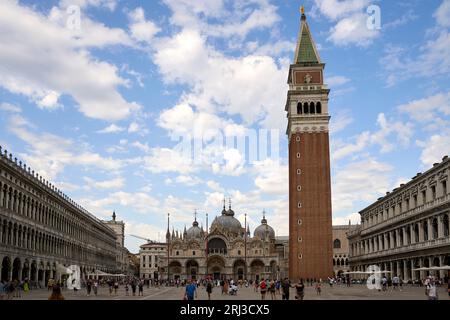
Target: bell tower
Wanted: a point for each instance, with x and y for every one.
(310, 225)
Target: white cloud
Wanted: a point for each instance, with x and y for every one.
(335, 9)
(336, 81)
(48, 154)
(134, 127)
(116, 183)
(271, 177)
(111, 129)
(442, 14)
(353, 30)
(188, 180)
(215, 186)
(10, 108)
(186, 58)
(167, 160)
(341, 120)
(140, 28)
(361, 181)
(436, 147)
(109, 4)
(354, 218)
(66, 68)
(362, 141)
(427, 109)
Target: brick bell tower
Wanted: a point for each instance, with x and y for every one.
(310, 226)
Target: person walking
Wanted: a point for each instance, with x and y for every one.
(127, 288)
(300, 290)
(56, 293)
(448, 287)
(263, 289)
(95, 287)
(432, 290)
(89, 287)
(133, 287)
(209, 288)
(191, 291)
(141, 288)
(272, 290)
(318, 288)
(116, 287)
(285, 287)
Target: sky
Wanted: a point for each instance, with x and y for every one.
(143, 107)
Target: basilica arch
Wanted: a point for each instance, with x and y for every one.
(192, 269)
(257, 269)
(175, 270)
(239, 269)
(216, 267)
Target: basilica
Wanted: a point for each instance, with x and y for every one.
(226, 251)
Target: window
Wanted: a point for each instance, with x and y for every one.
(299, 108)
(298, 155)
(446, 226)
(425, 230)
(337, 244)
(444, 187)
(299, 171)
(239, 252)
(305, 108)
(299, 188)
(415, 200)
(424, 197)
(318, 107)
(177, 253)
(433, 192)
(297, 138)
(435, 228)
(416, 233)
(299, 205)
(312, 108)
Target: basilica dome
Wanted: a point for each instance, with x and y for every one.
(227, 222)
(264, 229)
(194, 232)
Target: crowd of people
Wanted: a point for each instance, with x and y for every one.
(266, 288)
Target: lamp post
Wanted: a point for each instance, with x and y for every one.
(206, 245)
(168, 249)
(245, 246)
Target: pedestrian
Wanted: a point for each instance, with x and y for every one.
(133, 287)
(56, 293)
(318, 288)
(272, 290)
(88, 287)
(225, 287)
(191, 291)
(95, 287)
(127, 288)
(432, 291)
(209, 288)
(2, 290)
(116, 287)
(26, 286)
(285, 286)
(300, 290)
(263, 289)
(141, 288)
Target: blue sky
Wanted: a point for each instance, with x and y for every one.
(99, 107)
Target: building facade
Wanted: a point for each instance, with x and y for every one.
(41, 228)
(225, 251)
(341, 248)
(408, 228)
(310, 224)
(122, 261)
(153, 255)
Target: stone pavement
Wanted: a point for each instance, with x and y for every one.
(355, 292)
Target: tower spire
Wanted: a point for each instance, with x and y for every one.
(306, 51)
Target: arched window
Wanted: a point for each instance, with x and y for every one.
(446, 226)
(318, 107)
(299, 108)
(425, 231)
(305, 108)
(312, 108)
(435, 228)
(416, 233)
(337, 244)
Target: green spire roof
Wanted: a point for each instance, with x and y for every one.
(306, 50)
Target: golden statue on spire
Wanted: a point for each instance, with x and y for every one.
(302, 9)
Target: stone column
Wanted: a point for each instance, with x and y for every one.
(430, 229)
(399, 270)
(405, 270)
(441, 226)
(391, 235)
(413, 235)
(421, 235)
(422, 273)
